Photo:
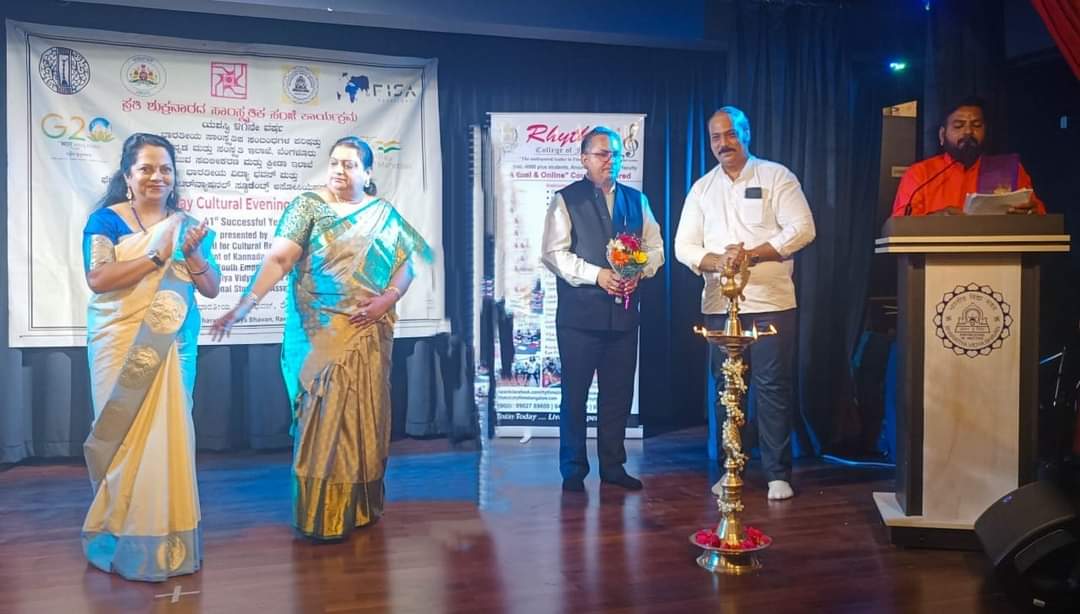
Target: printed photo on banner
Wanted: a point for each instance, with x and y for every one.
(533, 156)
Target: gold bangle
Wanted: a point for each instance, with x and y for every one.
(392, 288)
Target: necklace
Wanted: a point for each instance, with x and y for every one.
(136, 214)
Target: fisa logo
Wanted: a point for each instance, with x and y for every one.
(143, 75)
(65, 71)
(300, 84)
(351, 85)
(355, 85)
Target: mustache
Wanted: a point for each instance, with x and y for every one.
(725, 150)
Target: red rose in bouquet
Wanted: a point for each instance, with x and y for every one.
(627, 258)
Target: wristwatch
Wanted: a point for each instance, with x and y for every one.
(155, 258)
(754, 258)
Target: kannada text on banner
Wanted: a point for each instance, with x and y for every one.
(252, 126)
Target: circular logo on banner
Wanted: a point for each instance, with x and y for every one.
(99, 130)
(509, 138)
(972, 320)
(64, 70)
(143, 75)
(300, 84)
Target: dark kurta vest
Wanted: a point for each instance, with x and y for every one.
(588, 306)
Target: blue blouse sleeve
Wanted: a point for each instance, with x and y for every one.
(107, 223)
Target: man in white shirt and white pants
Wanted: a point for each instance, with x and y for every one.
(746, 207)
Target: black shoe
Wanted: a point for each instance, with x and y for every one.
(573, 485)
(624, 480)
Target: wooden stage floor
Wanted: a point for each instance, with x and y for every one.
(466, 531)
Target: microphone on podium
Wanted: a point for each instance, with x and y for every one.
(911, 199)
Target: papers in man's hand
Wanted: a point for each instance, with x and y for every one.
(995, 204)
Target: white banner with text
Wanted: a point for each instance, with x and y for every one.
(533, 156)
(252, 126)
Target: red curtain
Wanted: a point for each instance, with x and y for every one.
(1062, 18)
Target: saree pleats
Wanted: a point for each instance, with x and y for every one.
(343, 440)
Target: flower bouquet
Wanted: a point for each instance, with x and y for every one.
(627, 258)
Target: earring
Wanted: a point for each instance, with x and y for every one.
(130, 196)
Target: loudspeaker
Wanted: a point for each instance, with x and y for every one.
(1032, 537)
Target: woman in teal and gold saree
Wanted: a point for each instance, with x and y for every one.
(348, 256)
(144, 260)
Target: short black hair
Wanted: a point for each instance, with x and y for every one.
(738, 120)
(966, 101)
(599, 131)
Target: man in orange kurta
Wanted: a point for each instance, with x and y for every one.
(940, 184)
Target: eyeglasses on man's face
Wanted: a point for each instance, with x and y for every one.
(605, 154)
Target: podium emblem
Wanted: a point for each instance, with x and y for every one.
(972, 320)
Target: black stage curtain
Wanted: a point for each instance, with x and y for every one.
(965, 56)
(787, 66)
(812, 108)
(677, 90)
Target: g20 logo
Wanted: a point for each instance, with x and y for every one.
(76, 128)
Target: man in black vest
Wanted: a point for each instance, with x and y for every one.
(597, 334)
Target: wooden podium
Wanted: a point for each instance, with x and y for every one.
(967, 377)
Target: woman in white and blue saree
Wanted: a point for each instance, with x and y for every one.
(144, 261)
